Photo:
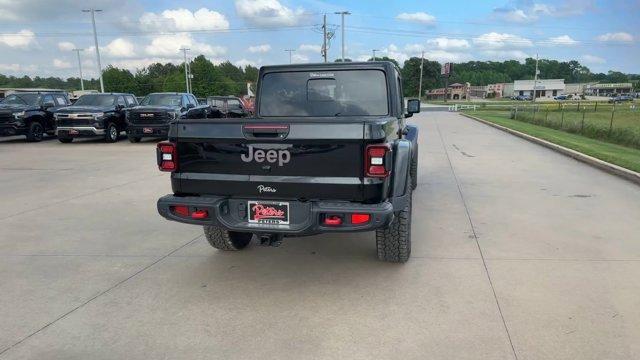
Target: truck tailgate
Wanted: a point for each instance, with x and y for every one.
(292, 160)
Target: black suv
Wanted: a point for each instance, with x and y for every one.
(226, 107)
(94, 115)
(30, 113)
(157, 110)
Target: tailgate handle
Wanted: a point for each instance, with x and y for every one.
(265, 131)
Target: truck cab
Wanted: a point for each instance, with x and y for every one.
(30, 114)
(329, 150)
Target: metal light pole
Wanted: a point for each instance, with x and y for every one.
(95, 41)
(324, 37)
(374, 54)
(535, 80)
(80, 67)
(186, 69)
(290, 51)
(342, 14)
(420, 83)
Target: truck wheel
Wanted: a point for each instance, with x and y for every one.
(226, 240)
(394, 241)
(36, 132)
(112, 133)
(414, 171)
(65, 140)
(134, 139)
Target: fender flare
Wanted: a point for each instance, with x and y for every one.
(411, 134)
(401, 165)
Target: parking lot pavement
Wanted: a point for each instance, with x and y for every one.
(517, 251)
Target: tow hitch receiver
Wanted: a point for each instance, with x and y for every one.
(274, 240)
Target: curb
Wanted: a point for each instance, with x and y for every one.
(590, 160)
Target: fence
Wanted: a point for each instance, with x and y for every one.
(616, 123)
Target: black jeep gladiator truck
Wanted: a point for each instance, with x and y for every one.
(329, 150)
(30, 113)
(227, 107)
(94, 115)
(157, 110)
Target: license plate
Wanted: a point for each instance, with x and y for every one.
(73, 132)
(147, 130)
(268, 212)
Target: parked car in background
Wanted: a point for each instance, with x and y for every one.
(30, 114)
(523, 97)
(561, 97)
(620, 98)
(156, 111)
(227, 107)
(94, 115)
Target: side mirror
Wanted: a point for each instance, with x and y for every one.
(48, 104)
(119, 107)
(413, 106)
(190, 106)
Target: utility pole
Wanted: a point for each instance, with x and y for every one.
(324, 37)
(342, 14)
(186, 68)
(80, 67)
(420, 82)
(535, 80)
(95, 41)
(289, 51)
(374, 54)
(190, 75)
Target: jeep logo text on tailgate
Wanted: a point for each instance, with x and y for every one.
(271, 156)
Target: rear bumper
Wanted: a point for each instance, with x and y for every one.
(82, 131)
(306, 218)
(151, 130)
(10, 129)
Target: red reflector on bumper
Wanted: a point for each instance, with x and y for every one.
(332, 220)
(199, 214)
(360, 218)
(181, 210)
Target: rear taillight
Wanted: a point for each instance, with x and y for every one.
(167, 156)
(376, 160)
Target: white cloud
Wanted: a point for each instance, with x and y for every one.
(562, 40)
(260, 48)
(23, 39)
(531, 12)
(119, 48)
(66, 46)
(169, 46)
(444, 43)
(592, 59)
(497, 41)
(245, 62)
(310, 48)
(17, 68)
(135, 64)
(505, 54)
(418, 17)
(267, 12)
(615, 37)
(184, 20)
(61, 64)
(299, 58)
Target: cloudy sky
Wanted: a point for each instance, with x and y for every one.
(37, 37)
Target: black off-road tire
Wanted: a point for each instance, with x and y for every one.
(36, 132)
(414, 171)
(111, 135)
(222, 239)
(394, 242)
(134, 139)
(65, 140)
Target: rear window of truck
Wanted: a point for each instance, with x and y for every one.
(324, 93)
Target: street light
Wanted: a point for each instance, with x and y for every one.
(186, 69)
(342, 14)
(289, 51)
(374, 54)
(80, 67)
(95, 40)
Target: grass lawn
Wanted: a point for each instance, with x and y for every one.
(616, 154)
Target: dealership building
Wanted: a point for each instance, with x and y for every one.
(544, 88)
(608, 89)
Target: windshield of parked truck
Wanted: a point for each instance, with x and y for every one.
(324, 93)
(22, 99)
(162, 100)
(95, 100)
